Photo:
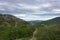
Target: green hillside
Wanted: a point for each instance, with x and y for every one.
(12, 28)
(51, 21)
(48, 30)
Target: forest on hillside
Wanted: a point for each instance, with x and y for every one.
(13, 28)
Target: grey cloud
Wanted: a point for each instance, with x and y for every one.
(33, 9)
(13, 4)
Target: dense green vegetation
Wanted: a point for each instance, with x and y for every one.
(51, 32)
(12, 28)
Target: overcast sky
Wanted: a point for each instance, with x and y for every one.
(31, 9)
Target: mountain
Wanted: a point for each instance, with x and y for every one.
(35, 21)
(12, 27)
(9, 19)
(47, 30)
(52, 21)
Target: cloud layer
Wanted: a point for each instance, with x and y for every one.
(31, 9)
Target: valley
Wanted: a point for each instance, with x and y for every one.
(13, 28)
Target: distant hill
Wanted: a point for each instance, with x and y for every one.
(52, 21)
(35, 21)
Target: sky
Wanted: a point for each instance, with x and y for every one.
(31, 9)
